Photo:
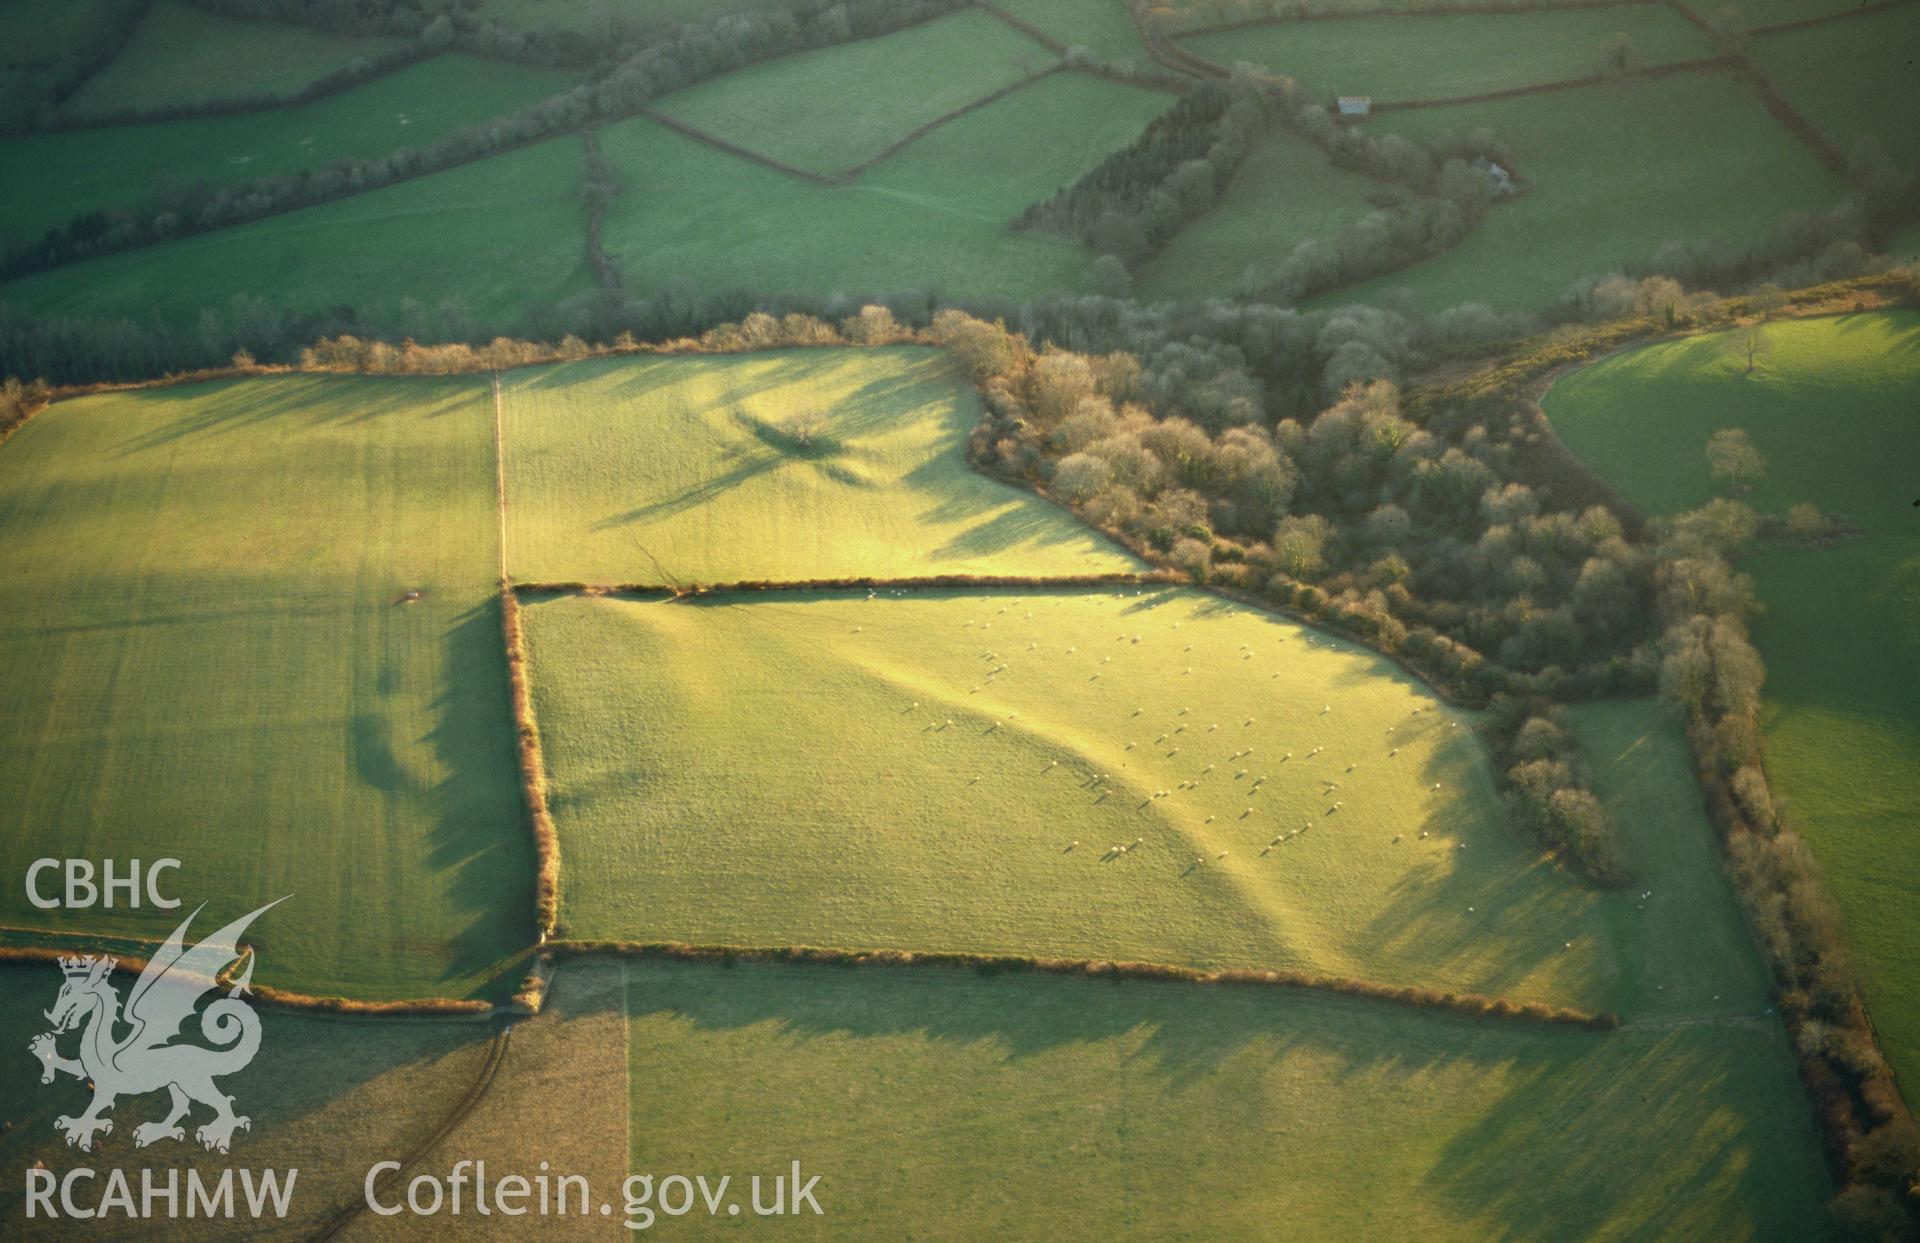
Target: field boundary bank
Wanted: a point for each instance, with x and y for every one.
(1468, 1005)
(339, 82)
(476, 1092)
(1469, 8)
(932, 582)
(286, 999)
(1772, 98)
(1022, 25)
(1703, 64)
(733, 148)
(1822, 19)
(533, 772)
(901, 144)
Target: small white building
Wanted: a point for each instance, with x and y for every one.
(1355, 105)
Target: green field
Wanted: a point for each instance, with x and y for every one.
(1838, 73)
(495, 238)
(35, 31)
(1285, 192)
(182, 55)
(1440, 57)
(84, 170)
(935, 1104)
(685, 470)
(1102, 28)
(1832, 410)
(1618, 170)
(208, 656)
(934, 217)
(913, 833)
(833, 108)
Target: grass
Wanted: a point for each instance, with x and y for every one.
(682, 470)
(182, 55)
(1284, 193)
(830, 109)
(914, 834)
(1439, 57)
(35, 32)
(1831, 409)
(1618, 170)
(932, 218)
(1839, 74)
(84, 170)
(1102, 28)
(937, 1103)
(206, 648)
(494, 239)
(328, 1096)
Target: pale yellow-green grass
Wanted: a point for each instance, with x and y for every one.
(207, 654)
(679, 470)
(936, 1104)
(913, 772)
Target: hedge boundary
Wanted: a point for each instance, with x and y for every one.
(930, 582)
(533, 773)
(1468, 8)
(337, 82)
(732, 148)
(1468, 1005)
(278, 998)
(1703, 64)
(1821, 19)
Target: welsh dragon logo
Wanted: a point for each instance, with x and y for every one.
(142, 1060)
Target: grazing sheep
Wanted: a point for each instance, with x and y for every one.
(1074, 844)
(1436, 785)
(1132, 745)
(1223, 854)
(1208, 820)
(1393, 752)
(1179, 729)
(1213, 727)
(1207, 769)
(1138, 711)
(1397, 837)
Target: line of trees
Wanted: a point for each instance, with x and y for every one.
(1134, 201)
(33, 91)
(1712, 673)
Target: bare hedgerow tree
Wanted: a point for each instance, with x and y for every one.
(1733, 460)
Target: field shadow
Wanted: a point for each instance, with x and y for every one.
(480, 837)
(222, 406)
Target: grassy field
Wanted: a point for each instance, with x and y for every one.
(939, 1104)
(1102, 28)
(933, 217)
(1618, 170)
(833, 108)
(207, 648)
(1832, 410)
(1439, 57)
(182, 55)
(913, 833)
(1838, 75)
(1285, 192)
(680, 470)
(35, 31)
(495, 238)
(77, 171)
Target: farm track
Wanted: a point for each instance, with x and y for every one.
(483, 1082)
